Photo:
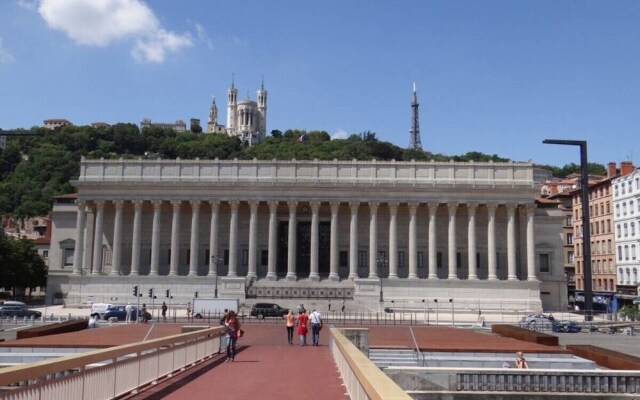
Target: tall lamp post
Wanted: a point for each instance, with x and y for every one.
(216, 260)
(586, 229)
(381, 262)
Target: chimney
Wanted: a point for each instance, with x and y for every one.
(611, 170)
(626, 167)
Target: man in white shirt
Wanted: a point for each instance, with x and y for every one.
(316, 325)
(129, 312)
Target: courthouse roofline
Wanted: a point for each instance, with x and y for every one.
(310, 172)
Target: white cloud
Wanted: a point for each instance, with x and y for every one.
(203, 36)
(339, 134)
(30, 5)
(102, 22)
(5, 56)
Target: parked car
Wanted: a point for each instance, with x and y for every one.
(99, 309)
(18, 310)
(537, 321)
(262, 310)
(120, 312)
(566, 327)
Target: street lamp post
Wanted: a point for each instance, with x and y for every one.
(586, 228)
(437, 312)
(381, 262)
(453, 314)
(216, 260)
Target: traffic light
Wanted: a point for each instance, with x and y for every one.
(196, 295)
(135, 291)
(151, 293)
(168, 293)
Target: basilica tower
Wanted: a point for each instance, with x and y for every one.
(262, 107)
(232, 106)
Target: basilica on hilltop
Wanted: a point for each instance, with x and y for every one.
(246, 118)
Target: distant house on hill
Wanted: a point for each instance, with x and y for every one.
(56, 123)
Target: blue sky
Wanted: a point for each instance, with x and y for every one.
(492, 76)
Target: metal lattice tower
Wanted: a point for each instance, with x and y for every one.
(414, 133)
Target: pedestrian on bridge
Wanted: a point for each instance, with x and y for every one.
(303, 320)
(290, 322)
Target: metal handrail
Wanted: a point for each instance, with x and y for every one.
(416, 350)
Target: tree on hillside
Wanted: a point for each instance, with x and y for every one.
(21, 267)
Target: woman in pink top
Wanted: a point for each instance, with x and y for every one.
(303, 319)
(291, 322)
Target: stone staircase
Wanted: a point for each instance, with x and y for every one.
(383, 358)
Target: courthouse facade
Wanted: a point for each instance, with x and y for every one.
(470, 232)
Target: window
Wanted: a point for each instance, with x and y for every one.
(619, 230)
(264, 257)
(245, 257)
(459, 260)
(568, 221)
(570, 257)
(362, 258)
(626, 252)
(633, 251)
(626, 230)
(601, 208)
(226, 257)
(401, 259)
(543, 260)
(439, 257)
(608, 226)
(68, 256)
(420, 259)
(633, 229)
(344, 258)
(619, 253)
(45, 254)
(624, 208)
(569, 238)
(617, 210)
(631, 209)
(608, 207)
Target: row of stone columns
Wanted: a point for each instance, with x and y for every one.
(291, 255)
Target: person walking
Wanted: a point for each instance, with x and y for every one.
(290, 320)
(129, 312)
(189, 310)
(303, 319)
(144, 313)
(342, 305)
(164, 311)
(233, 329)
(316, 325)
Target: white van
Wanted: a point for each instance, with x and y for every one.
(99, 309)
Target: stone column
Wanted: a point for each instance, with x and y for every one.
(413, 248)
(97, 240)
(471, 240)
(78, 253)
(233, 238)
(353, 240)
(253, 238)
(90, 225)
(195, 237)
(393, 240)
(531, 251)
(511, 242)
(135, 246)
(334, 256)
(155, 238)
(491, 242)
(315, 240)
(273, 230)
(292, 243)
(373, 239)
(453, 208)
(433, 249)
(175, 238)
(116, 255)
(213, 238)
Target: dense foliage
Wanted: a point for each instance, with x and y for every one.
(21, 266)
(35, 168)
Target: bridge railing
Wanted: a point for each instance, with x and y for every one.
(361, 377)
(438, 380)
(108, 373)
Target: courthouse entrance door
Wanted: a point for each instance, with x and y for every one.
(303, 248)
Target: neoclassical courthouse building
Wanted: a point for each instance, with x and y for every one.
(409, 231)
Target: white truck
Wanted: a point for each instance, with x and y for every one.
(203, 308)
